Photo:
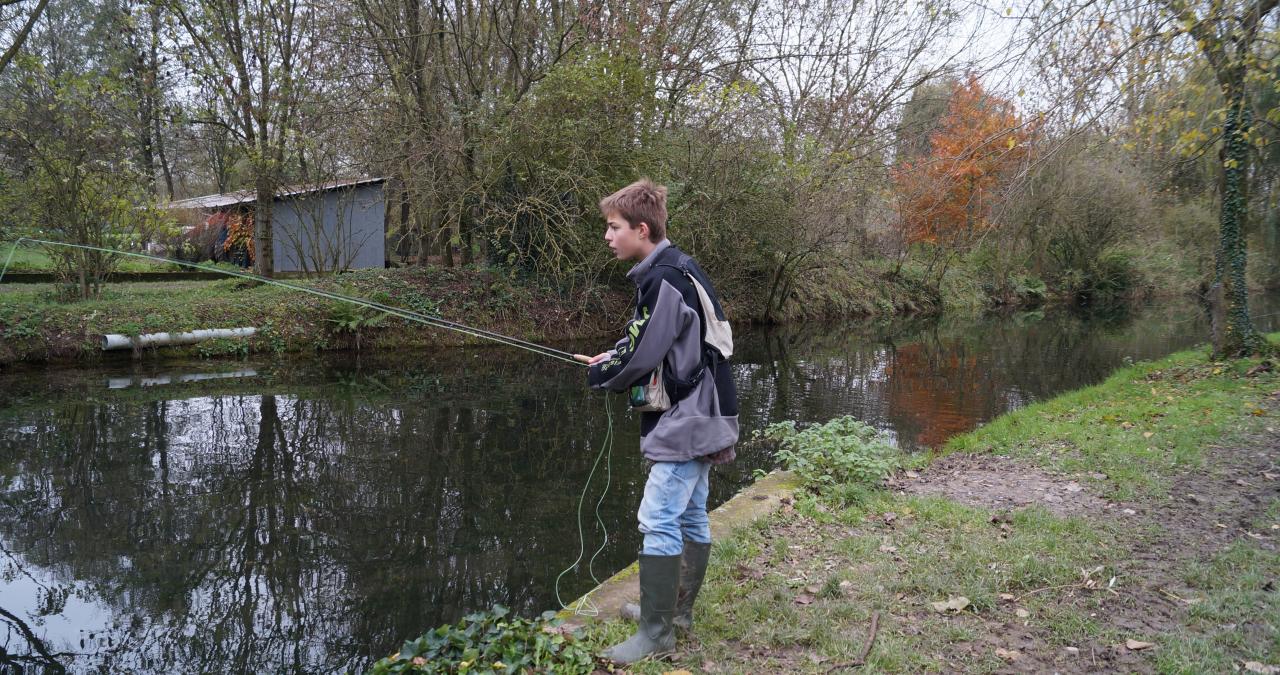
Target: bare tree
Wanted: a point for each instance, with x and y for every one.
(17, 18)
(254, 59)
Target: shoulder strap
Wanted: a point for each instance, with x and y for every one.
(716, 332)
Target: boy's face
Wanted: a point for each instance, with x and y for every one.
(627, 243)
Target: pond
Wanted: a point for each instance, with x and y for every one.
(308, 514)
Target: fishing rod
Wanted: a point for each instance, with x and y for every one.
(427, 319)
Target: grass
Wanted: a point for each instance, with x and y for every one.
(1143, 425)
(1238, 589)
(796, 592)
(35, 260)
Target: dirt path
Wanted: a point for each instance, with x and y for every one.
(1206, 511)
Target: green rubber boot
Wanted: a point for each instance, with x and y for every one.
(655, 635)
(693, 568)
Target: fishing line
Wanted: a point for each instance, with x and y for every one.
(427, 319)
(584, 606)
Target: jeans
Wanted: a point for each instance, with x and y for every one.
(674, 507)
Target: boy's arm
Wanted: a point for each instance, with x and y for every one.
(647, 341)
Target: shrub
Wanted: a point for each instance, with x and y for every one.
(354, 320)
(1077, 214)
(489, 642)
(840, 452)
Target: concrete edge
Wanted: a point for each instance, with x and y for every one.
(753, 502)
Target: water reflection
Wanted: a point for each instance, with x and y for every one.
(309, 517)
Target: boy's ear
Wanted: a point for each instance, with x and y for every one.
(644, 233)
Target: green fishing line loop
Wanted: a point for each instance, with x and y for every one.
(584, 606)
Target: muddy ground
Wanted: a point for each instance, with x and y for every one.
(1206, 510)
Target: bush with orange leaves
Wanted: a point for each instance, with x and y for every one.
(239, 233)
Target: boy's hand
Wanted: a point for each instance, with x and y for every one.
(591, 360)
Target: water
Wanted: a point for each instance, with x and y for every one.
(309, 514)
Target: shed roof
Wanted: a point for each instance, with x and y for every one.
(250, 196)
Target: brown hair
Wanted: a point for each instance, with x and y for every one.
(640, 202)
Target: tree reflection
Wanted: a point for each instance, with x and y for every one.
(250, 532)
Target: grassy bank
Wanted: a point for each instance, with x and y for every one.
(37, 325)
(35, 260)
(38, 322)
(1129, 526)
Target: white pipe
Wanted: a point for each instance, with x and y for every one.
(126, 382)
(115, 341)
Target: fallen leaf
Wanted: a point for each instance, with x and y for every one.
(1148, 434)
(1008, 654)
(812, 590)
(1008, 597)
(1138, 645)
(951, 604)
(885, 548)
(804, 599)
(1022, 613)
(912, 474)
(677, 672)
(1259, 667)
(744, 572)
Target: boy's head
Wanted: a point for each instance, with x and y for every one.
(636, 219)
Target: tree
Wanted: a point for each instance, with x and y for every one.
(254, 57)
(143, 70)
(1139, 58)
(1226, 34)
(947, 196)
(76, 182)
(17, 18)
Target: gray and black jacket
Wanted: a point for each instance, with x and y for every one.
(669, 327)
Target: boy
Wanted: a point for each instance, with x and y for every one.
(680, 325)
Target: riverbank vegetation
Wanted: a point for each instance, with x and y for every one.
(1132, 525)
(870, 174)
(37, 324)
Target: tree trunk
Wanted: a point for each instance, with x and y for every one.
(1238, 335)
(263, 258)
(446, 236)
